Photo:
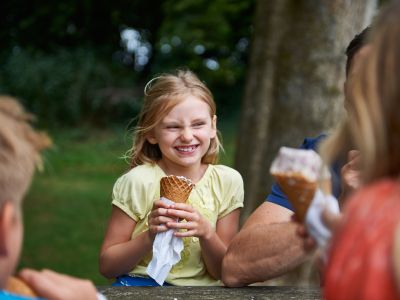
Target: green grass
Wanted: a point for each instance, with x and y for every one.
(68, 205)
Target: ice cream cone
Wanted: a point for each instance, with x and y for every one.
(17, 286)
(299, 191)
(299, 173)
(176, 188)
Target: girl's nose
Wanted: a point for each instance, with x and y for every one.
(187, 134)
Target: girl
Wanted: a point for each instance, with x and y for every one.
(176, 135)
(364, 257)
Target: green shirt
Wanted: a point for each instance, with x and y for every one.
(219, 192)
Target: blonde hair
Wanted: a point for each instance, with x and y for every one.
(373, 122)
(161, 94)
(20, 147)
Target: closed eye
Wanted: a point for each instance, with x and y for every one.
(198, 124)
(172, 127)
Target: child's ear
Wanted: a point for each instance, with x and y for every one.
(151, 138)
(7, 223)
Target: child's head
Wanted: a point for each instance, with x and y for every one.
(20, 147)
(373, 125)
(162, 94)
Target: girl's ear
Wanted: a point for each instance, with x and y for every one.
(151, 138)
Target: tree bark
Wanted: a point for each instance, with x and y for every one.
(295, 79)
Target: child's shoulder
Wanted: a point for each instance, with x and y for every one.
(226, 172)
(141, 173)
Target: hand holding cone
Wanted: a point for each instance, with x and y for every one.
(298, 173)
(17, 286)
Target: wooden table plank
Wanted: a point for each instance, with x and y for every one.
(178, 293)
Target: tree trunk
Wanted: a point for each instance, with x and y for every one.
(295, 79)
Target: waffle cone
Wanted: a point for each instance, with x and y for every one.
(299, 191)
(175, 188)
(17, 286)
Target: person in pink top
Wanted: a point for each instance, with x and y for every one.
(362, 261)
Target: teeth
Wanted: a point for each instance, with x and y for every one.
(186, 149)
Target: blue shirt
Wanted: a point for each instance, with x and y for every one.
(9, 296)
(277, 196)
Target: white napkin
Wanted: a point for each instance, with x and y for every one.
(167, 250)
(315, 226)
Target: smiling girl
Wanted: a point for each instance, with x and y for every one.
(176, 135)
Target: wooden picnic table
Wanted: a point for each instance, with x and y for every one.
(190, 292)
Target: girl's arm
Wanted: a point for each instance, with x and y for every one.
(214, 243)
(214, 247)
(119, 253)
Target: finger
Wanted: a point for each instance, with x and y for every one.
(183, 206)
(181, 214)
(51, 285)
(309, 244)
(159, 212)
(158, 228)
(185, 233)
(160, 204)
(332, 221)
(352, 154)
(41, 284)
(295, 219)
(182, 225)
(302, 231)
(161, 220)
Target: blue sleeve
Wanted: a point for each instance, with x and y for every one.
(277, 196)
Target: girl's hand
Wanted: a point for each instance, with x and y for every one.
(196, 225)
(158, 218)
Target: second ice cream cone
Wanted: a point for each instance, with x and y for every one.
(299, 191)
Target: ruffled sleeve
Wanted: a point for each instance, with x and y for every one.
(131, 194)
(233, 192)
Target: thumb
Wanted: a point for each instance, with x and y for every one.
(331, 220)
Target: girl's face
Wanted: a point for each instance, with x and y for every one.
(184, 134)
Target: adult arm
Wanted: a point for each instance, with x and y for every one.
(267, 246)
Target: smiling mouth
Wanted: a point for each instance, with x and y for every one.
(186, 149)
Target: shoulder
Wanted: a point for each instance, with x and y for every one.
(225, 173)
(379, 190)
(141, 173)
(313, 143)
(138, 176)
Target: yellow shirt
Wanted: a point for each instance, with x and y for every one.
(219, 192)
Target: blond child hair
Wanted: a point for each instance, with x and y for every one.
(161, 94)
(20, 150)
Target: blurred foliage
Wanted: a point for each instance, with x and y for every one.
(68, 87)
(66, 61)
(206, 34)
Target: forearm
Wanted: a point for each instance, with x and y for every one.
(122, 258)
(262, 252)
(213, 250)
